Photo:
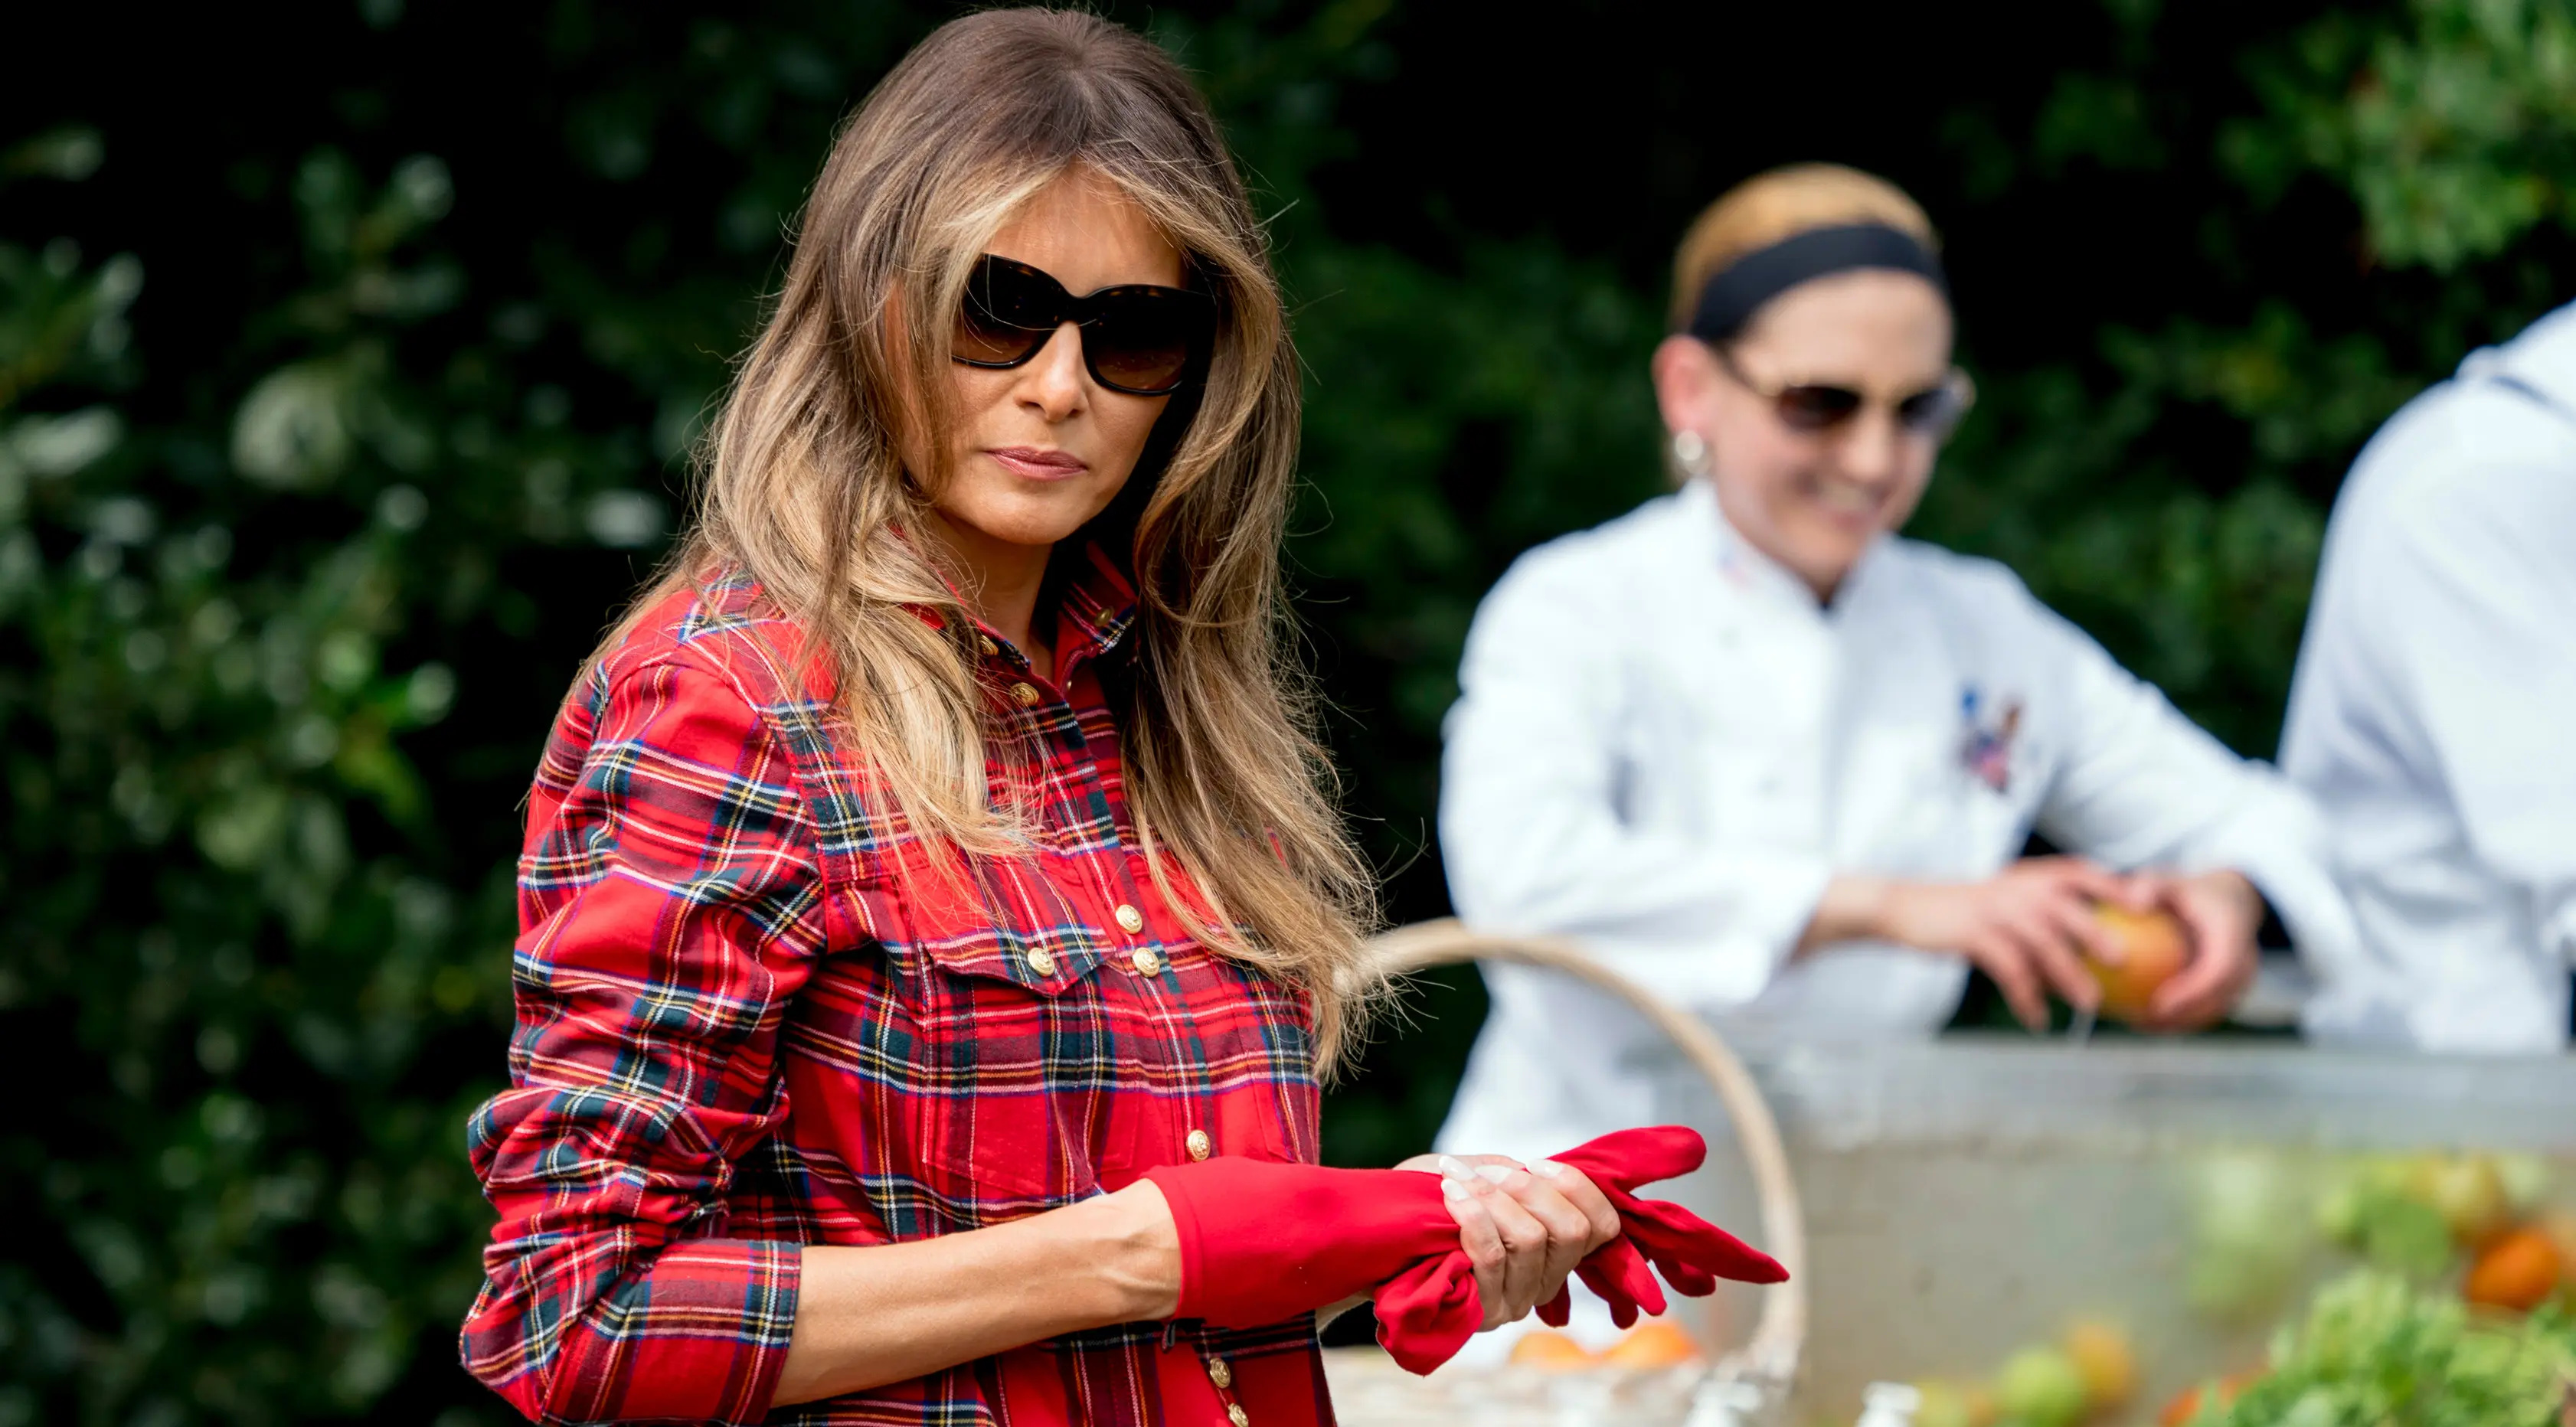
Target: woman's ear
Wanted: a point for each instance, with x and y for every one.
(1686, 378)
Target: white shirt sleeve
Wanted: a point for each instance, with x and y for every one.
(2472, 595)
(2139, 785)
(1530, 828)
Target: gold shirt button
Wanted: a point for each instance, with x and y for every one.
(1235, 1414)
(1147, 963)
(1025, 695)
(1219, 1373)
(985, 643)
(1130, 918)
(1042, 963)
(1199, 1145)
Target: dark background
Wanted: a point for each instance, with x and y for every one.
(349, 355)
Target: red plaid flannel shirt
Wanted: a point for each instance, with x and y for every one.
(740, 1032)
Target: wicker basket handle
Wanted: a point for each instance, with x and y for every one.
(1779, 1336)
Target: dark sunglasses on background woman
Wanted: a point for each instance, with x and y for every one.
(1816, 407)
(1140, 339)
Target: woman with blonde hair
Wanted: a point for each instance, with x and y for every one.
(1781, 765)
(933, 920)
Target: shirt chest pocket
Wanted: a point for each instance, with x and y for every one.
(1009, 1073)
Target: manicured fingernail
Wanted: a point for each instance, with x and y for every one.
(1547, 1169)
(1452, 1189)
(1495, 1172)
(1453, 1166)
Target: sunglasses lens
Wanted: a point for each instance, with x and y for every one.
(1930, 412)
(1007, 315)
(1144, 341)
(1816, 408)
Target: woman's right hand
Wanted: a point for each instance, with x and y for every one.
(2023, 926)
(1524, 1228)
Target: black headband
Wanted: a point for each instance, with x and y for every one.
(1735, 292)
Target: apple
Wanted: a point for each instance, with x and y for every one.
(2102, 1353)
(2040, 1387)
(2153, 949)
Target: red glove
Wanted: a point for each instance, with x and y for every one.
(1261, 1242)
(1692, 1253)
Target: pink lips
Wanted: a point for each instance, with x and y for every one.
(1037, 465)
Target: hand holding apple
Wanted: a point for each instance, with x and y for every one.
(2185, 957)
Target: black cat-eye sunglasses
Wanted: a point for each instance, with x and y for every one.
(1140, 339)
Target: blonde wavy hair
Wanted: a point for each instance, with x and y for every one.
(803, 485)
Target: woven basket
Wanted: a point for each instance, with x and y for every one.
(1749, 1384)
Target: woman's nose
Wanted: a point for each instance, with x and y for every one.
(1873, 447)
(1052, 382)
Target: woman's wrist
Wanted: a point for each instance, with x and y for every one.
(1130, 1239)
(1854, 907)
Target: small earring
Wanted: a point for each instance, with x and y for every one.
(1690, 452)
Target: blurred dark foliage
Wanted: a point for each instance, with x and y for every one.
(349, 356)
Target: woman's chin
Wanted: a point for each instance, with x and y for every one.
(1037, 517)
(1823, 557)
(1830, 550)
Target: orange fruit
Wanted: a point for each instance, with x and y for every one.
(2186, 1403)
(2153, 948)
(2560, 1226)
(1550, 1351)
(2101, 1353)
(2516, 1272)
(1652, 1344)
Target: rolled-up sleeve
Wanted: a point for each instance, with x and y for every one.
(1531, 832)
(671, 904)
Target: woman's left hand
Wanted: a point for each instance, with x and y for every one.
(1524, 1228)
(2222, 913)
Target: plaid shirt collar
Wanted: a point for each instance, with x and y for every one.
(1096, 608)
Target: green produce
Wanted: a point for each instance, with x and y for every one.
(2385, 1211)
(2040, 1387)
(2468, 1193)
(2405, 1236)
(1944, 1404)
(2249, 1229)
(2374, 1351)
(2525, 1178)
(2339, 1213)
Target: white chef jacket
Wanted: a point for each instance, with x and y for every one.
(1664, 747)
(2433, 716)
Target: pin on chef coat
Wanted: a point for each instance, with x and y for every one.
(1664, 747)
(2434, 711)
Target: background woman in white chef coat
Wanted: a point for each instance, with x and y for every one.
(1780, 765)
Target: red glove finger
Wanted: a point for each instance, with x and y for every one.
(1675, 1238)
(1618, 1275)
(1426, 1313)
(1558, 1311)
(1691, 1253)
(1625, 1159)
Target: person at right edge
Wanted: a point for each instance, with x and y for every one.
(2433, 715)
(1752, 750)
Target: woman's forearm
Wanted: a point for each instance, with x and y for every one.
(868, 1316)
(1852, 908)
